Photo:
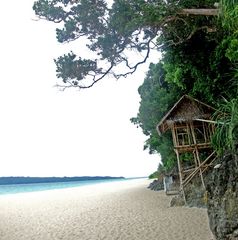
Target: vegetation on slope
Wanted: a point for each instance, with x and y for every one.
(203, 66)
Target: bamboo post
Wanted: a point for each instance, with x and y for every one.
(199, 164)
(197, 154)
(195, 158)
(204, 131)
(192, 174)
(174, 136)
(189, 136)
(180, 175)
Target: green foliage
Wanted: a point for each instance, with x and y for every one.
(199, 67)
(229, 15)
(205, 67)
(186, 157)
(157, 96)
(229, 21)
(49, 10)
(159, 173)
(68, 67)
(199, 55)
(112, 33)
(154, 175)
(226, 134)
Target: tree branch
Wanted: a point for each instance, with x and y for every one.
(94, 80)
(200, 11)
(134, 68)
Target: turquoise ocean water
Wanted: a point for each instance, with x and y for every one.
(33, 187)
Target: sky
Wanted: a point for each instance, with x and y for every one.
(47, 132)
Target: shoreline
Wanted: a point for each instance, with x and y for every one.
(9, 189)
(115, 210)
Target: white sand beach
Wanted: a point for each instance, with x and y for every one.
(109, 211)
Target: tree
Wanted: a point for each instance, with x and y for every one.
(205, 67)
(157, 96)
(114, 33)
(225, 138)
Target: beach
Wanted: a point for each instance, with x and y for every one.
(124, 210)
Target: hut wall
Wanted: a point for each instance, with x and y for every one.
(193, 133)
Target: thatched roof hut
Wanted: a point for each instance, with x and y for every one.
(186, 109)
(192, 128)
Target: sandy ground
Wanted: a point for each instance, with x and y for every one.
(109, 211)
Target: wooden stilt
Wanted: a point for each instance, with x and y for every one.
(192, 128)
(189, 136)
(193, 173)
(200, 170)
(180, 176)
(174, 136)
(197, 155)
(195, 158)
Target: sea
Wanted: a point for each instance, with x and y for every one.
(34, 187)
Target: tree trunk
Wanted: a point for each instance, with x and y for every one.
(201, 11)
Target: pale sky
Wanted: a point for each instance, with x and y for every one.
(46, 132)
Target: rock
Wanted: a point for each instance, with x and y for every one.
(156, 185)
(222, 197)
(177, 201)
(195, 193)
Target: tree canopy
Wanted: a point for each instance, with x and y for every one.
(204, 66)
(197, 39)
(114, 32)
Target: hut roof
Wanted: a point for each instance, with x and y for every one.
(184, 110)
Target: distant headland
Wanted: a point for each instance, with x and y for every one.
(28, 180)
